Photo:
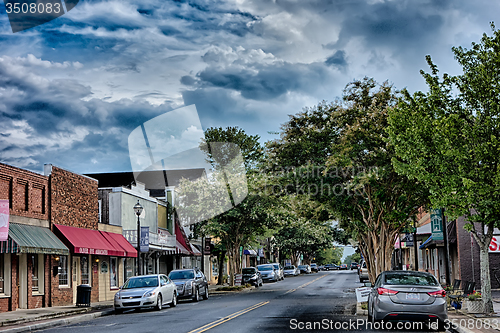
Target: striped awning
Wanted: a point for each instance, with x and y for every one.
(32, 239)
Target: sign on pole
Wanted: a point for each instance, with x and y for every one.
(144, 239)
(237, 279)
(362, 294)
(4, 220)
(436, 224)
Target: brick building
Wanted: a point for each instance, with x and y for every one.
(26, 258)
(94, 255)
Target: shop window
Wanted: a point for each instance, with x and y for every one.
(34, 273)
(63, 271)
(84, 268)
(113, 272)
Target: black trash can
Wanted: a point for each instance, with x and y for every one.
(83, 295)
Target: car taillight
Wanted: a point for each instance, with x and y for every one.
(439, 293)
(387, 292)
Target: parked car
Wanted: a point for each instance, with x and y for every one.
(291, 270)
(191, 283)
(363, 272)
(321, 267)
(314, 267)
(329, 267)
(305, 269)
(268, 272)
(279, 269)
(146, 291)
(407, 296)
(343, 266)
(354, 265)
(251, 275)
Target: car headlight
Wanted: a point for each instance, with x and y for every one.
(189, 284)
(117, 296)
(149, 294)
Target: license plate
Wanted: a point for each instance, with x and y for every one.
(412, 296)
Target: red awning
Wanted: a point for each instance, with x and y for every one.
(118, 241)
(180, 249)
(87, 241)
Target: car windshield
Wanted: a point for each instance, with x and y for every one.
(265, 268)
(141, 282)
(181, 275)
(289, 267)
(313, 265)
(276, 266)
(248, 271)
(302, 266)
(410, 279)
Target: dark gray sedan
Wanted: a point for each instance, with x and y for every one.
(407, 296)
(191, 283)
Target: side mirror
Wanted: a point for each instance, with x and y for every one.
(368, 284)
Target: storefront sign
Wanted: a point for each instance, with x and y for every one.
(237, 279)
(436, 224)
(86, 250)
(495, 244)
(206, 249)
(165, 238)
(104, 267)
(144, 239)
(4, 220)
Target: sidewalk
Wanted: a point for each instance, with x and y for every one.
(25, 320)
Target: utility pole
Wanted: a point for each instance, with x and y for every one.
(415, 248)
(446, 249)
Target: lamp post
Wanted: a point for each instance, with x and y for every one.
(138, 211)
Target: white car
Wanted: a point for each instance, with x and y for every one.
(146, 291)
(291, 270)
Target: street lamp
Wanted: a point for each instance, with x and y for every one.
(138, 211)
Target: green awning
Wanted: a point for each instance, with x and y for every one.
(32, 239)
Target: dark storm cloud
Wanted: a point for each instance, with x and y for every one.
(263, 82)
(337, 60)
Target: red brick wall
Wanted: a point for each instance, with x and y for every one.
(4, 304)
(15, 290)
(73, 199)
(94, 296)
(27, 192)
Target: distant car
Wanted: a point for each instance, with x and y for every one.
(146, 291)
(407, 296)
(363, 272)
(305, 269)
(354, 265)
(279, 269)
(314, 267)
(291, 270)
(191, 283)
(268, 272)
(329, 267)
(252, 276)
(321, 267)
(343, 266)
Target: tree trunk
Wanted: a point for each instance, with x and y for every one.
(485, 278)
(221, 258)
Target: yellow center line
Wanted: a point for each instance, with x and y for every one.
(304, 285)
(228, 318)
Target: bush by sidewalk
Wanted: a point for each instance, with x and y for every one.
(233, 288)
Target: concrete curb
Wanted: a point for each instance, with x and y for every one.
(58, 322)
(360, 311)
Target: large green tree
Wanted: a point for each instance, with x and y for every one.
(338, 154)
(236, 220)
(448, 138)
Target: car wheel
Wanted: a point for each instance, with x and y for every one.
(205, 295)
(196, 296)
(118, 311)
(159, 303)
(173, 304)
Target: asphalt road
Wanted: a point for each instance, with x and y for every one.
(318, 302)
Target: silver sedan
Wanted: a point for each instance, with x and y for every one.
(407, 296)
(146, 291)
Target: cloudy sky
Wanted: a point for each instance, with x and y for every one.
(73, 90)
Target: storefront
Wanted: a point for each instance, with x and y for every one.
(97, 259)
(24, 265)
